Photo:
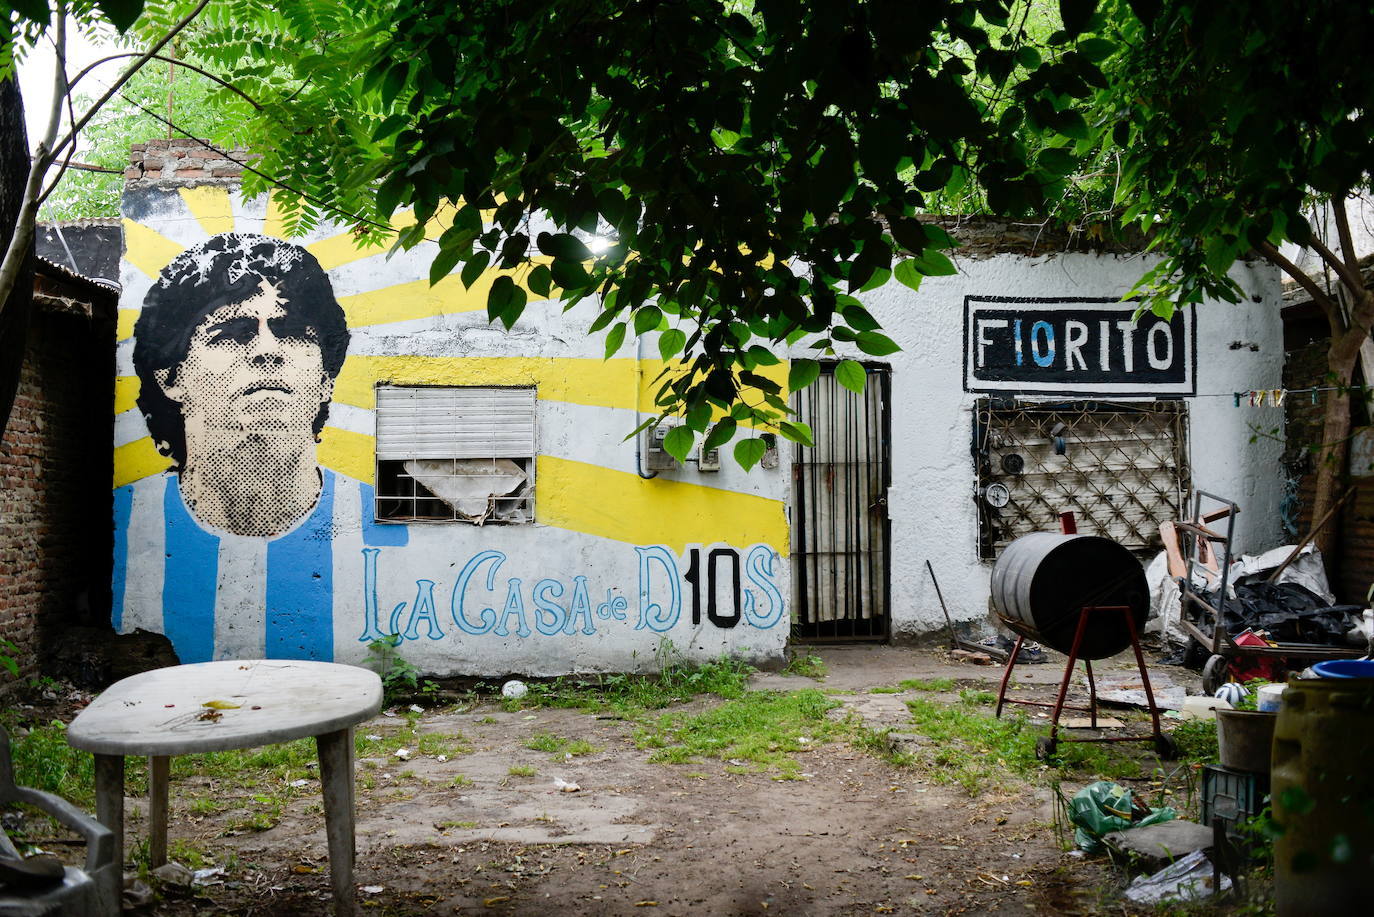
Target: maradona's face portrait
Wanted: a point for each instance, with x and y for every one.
(236, 350)
(253, 369)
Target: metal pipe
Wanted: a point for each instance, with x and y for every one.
(639, 387)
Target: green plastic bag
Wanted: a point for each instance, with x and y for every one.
(1103, 807)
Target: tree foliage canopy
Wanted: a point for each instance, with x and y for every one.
(727, 173)
(1228, 119)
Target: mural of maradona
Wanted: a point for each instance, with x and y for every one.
(236, 350)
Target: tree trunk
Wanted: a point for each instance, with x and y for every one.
(1334, 449)
(14, 172)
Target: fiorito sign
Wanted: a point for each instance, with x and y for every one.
(1031, 346)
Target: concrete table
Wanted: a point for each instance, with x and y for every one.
(164, 712)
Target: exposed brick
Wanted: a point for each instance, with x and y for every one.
(133, 172)
(55, 499)
(226, 171)
(192, 173)
(153, 162)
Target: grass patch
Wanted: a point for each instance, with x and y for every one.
(632, 695)
(761, 730)
(43, 760)
(521, 770)
(806, 665)
(559, 747)
(927, 684)
(1197, 740)
(461, 780)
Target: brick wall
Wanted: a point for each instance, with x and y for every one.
(55, 472)
(182, 159)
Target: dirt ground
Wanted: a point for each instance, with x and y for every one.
(855, 836)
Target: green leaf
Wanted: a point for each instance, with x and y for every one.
(801, 374)
(1075, 14)
(879, 345)
(880, 276)
(1057, 162)
(647, 319)
(614, 338)
(540, 280)
(444, 263)
(934, 264)
(1096, 49)
(563, 247)
(851, 375)
(679, 442)
(500, 296)
(749, 451)
(762, 356)
(121, 13)
(721, 433)
(907, 272)
(670, 343)
(797, 432)
(859, 318)
(699, 417)
(474, 268)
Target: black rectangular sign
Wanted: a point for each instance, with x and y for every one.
(1033, 346)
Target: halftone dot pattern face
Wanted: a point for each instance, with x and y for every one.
(252, 369)
(243, 342)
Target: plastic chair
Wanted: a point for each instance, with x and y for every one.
(91, 891)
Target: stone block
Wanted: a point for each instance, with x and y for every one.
(1153, 847)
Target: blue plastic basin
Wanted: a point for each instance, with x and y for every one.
(1345, 668)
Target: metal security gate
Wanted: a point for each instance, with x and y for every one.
(840, 551)
(1121, 469)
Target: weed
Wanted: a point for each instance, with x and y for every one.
(629, 695)
(460, 780)
(1196, 740)
(545, 741)
(521, 770)
(465, 825)
(757, 732)
(885, 689)
(400, 678)
(806, 665)
(8, 662)
(927, 684)
(43, 760)
(559, 747)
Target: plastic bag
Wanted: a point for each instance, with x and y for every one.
(1103, 807)
(1187, 879)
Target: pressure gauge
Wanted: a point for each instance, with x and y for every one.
(997, 495)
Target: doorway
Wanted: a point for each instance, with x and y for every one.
(840, 528)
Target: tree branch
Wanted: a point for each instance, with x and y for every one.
(1333, 312)
(1352, 262)
(127, 74)
(180, 63)
(1352, 279)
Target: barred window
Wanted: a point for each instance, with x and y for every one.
(455, 454)
(1120, 467)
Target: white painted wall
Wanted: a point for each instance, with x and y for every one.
(933, 475)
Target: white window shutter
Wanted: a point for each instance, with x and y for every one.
(458, 423)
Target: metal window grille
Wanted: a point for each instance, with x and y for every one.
(1121, 468)
(455, 454)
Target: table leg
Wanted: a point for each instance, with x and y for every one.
(109, 811)
(336, 776)
(159, 769)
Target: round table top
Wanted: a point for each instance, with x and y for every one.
(214, 706)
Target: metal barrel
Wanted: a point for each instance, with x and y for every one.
(1043, 580)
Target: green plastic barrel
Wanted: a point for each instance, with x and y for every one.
(1323, 797)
